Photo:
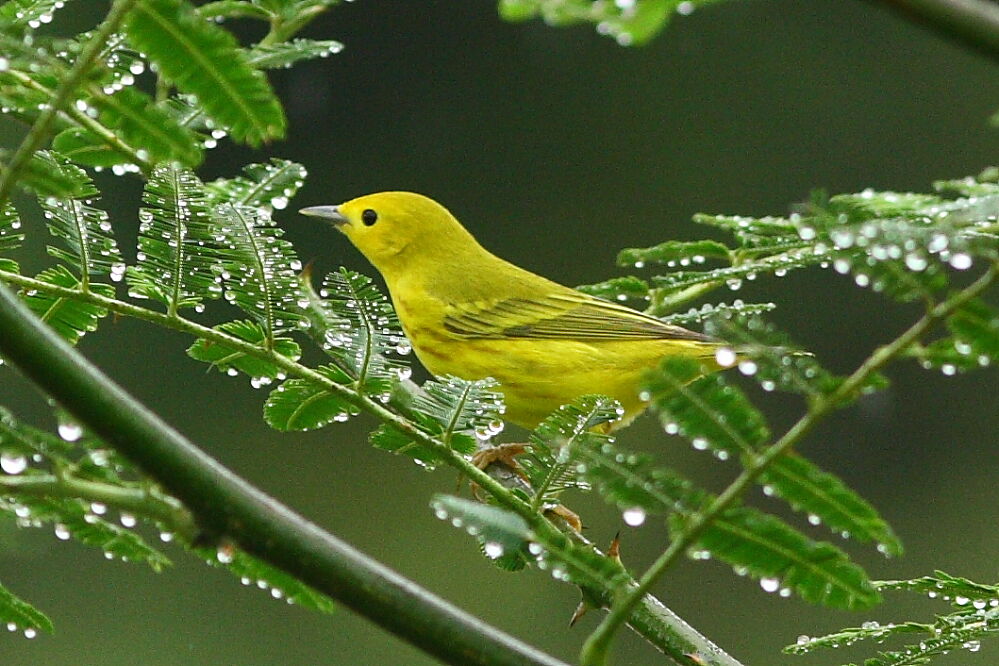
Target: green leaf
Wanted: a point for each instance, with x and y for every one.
(631, 23)
(954, 589)
(19, 613)
(10, 235)
(263, 576)
(69, 317)
(259, 269)
(223, 9)
(299, 404)
(204, 60)
(617, 289)
(709, 311)
(49, 175)
(83, 147)
(462, 407)
(674, 253)
(288, 53)
(29, 13)
(783, 558)
(826, 499)
(85, 231)
(389, 438)
(709, 412)
(502, 535)
(233, 361)
(177, 264)
(268, 185)
(361, 331)
(976, 325)
(132, 116)
(549, 461)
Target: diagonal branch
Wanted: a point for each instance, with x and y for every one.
(973, 23)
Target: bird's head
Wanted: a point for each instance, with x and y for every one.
(395, 229)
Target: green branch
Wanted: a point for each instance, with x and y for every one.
(225, 505)
(595, 650)
(973, 23)
(652, 620)
(67, 87)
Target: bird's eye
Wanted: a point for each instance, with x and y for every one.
(369, 217)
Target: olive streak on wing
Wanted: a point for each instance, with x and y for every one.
(559, 317)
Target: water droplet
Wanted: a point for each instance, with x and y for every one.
(127, 520)
(13, 463)
(748, 368)
(493, 550)
(70, 431)
(634, 516)
(225, 553)
(770, 584)
(725, 357)
(30, 632)
(804, 639)
(961, 261)
(61, 532)
(99, 508)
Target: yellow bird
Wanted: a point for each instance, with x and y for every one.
(470, 314)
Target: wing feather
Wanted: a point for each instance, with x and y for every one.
(559, 316)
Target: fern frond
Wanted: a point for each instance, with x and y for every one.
(233, 361)
(767, 548)
(364, 334)
(550, 459)
(48, 177)
(268, 185)
(70, 318)
(628, 23)
(225, 9)
(176, 261)
(464, 410)
(674, 253)
(85, 231)
(618, 289)
(10, 235)
(29, 13)
(976, 618)
(19, 614)
(259, 269)
(204, 60)
(287, 54)
(298, 404)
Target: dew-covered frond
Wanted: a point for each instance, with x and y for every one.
(362, 331)
(47, 176)
(628, 23)
(550, 458)
(710, 311)
(767, 548)
(506, 538)
(269, 185)
(177, 263)
(973, 342)
(464, 410)
(34, 458)
(259, 269)
(22, 14)
(254, 572)
(10, 235)
(69, 317)
(287, 54)
(984, 184)
(674, 253)
(18, 615)
(233, 361)
(300, 404)
(975, 618)
(87, 243)
(202, 59)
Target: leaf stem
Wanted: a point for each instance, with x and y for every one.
(973, 23)
(67, 87)
(595, 650)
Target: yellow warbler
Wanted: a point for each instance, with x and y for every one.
(470, 314)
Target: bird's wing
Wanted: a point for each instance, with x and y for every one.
(559, 316)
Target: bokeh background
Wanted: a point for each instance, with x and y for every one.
(556, 148)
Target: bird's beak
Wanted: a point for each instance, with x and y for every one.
(331, 214)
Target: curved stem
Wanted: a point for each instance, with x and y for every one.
(225, 504)
(973, 23)
(596, 648)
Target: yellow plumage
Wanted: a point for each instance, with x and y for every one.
(471, 314)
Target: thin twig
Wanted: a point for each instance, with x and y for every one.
(595, 649)
(973, 23)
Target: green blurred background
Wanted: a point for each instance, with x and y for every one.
(556, 148)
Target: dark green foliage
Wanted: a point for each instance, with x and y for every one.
(49, 176)
(673, 253)
(202, 59)
(464, 411)
(629, 23)
(765, 547)
(70, 318)
(10, 235)
(976, 618)
(618, 289)
(176, 261)
(233, 361)
(289, 53)
(360, 330)
(826, 499)
(268, 185)
(29, 13)
(22, 615)
(259, 269)
(299, 404)
(261, 575)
